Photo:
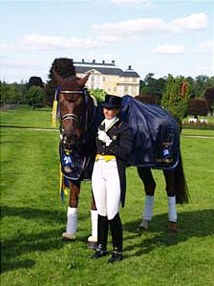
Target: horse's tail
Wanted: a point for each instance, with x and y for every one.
(181, 188)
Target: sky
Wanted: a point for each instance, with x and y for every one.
(159, 37)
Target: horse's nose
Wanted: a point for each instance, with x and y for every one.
(70, 133)
(70, 141)
(73, 139)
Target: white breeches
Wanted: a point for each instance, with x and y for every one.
(106, 187)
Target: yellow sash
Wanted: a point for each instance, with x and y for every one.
(105, 157)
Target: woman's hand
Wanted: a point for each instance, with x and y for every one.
(102, 136)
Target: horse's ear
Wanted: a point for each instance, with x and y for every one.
(84, 80)
(57, 76)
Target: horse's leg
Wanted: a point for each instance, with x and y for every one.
(71, 226)
(146, 176)
(171, 194)
(92, 239)
(177, 191)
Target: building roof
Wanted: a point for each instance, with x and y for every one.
(130, 73)
(104, 68)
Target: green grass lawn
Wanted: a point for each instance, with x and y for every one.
(26, 117)
(33, 217)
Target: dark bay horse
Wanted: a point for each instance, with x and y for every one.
(78, 120)
(77, 115)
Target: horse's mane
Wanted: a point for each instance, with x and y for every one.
(64, 67)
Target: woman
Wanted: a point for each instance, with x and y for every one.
(114, 143)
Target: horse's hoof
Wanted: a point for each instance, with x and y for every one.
(92, 242)
(92, 245)
(66, 237)
(144, 225)
(172, 227)
(141, 229)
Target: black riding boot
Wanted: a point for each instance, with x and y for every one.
(101, 249)
(117, 238)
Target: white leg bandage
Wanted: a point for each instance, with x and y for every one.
(148, 212)
(148, 208)
(71, 227)
(172, 213)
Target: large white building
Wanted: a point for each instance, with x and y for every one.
(108, 77)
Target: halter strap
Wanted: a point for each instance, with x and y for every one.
(71, 91)
(70, 116)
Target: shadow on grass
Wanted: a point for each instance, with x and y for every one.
(31, 213)
(12, 248)
(28, 263)
(191, 224)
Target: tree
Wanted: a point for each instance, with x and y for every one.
(35, 81)
(21, 89)
(200, 85)
(3, 92)
(10, 93)
(34, 96)
(147, 99)
(197, 107)
(176, 96)
(209, 97)
(152, 87)
(65, 68)
(99, 94)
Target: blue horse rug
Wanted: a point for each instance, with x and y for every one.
(155, 134)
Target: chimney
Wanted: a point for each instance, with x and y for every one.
(103, 62)
(82, 60)
(93, 61)
(113, 62)
(130, 67)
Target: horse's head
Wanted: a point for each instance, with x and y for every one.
(72, 109)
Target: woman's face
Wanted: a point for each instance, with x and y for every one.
(110, 113)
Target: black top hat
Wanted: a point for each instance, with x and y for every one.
(112, 102)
